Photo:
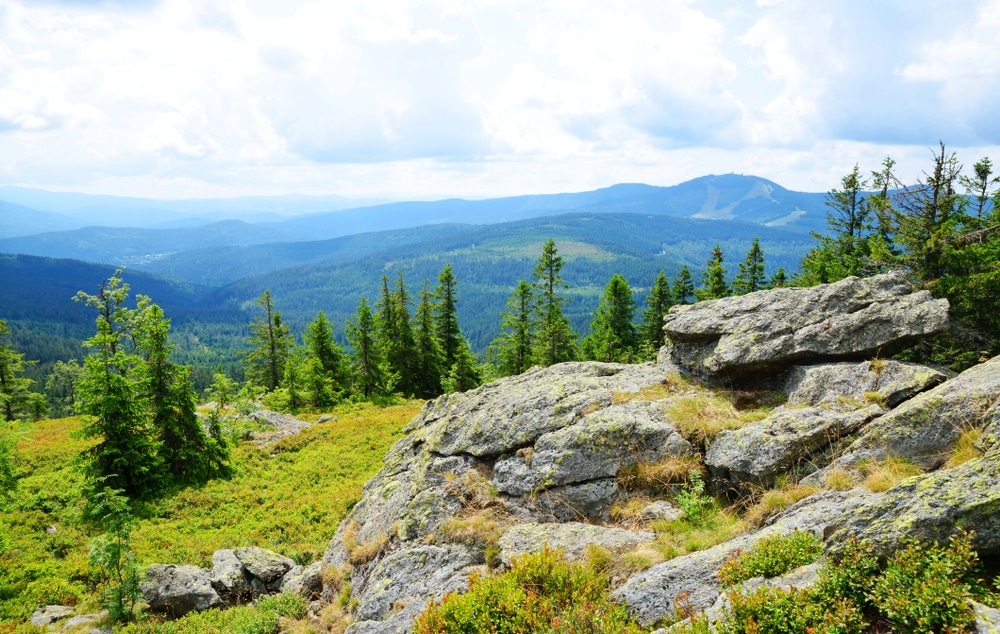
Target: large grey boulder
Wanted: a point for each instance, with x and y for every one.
(284, 425)
(572, 538)
(790, 439)
(987, 619)
(930, 507)
(834, 383)
(227, 576)
(306, 581)
(264, 567)
(650, 594)
(177, 590)
(736, 338)
(415, 576)
(924, 429)
(596, 447)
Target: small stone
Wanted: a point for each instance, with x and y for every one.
(661, 510)
(50, 614)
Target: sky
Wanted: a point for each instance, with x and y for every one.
(480, 98)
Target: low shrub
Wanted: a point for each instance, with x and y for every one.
(540, 593)
(771, 556)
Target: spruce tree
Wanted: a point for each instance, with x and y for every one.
(658, 303)
(372, 375)
(751, 274)
(449, 335)
(613, 335)
(126, 455)
(555, 341)
(464, 373)
(395, 334)
(271, 343)
(683, 289)
(324, 368)
(778, 280)
(15, 392)
(429, 363)
(512, 348)
(714, 277)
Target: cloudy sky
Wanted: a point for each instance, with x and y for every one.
(478, 98)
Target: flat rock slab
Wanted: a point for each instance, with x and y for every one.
(924, 429)
(757, 453)
(51, 614)
(893, 381)
(572, 538)
(930, 507)
(743, 337)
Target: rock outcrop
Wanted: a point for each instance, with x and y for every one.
(890, 382)
(572, 538)
(797, 441)
(651, 594)
(924, 429)
(740, 338)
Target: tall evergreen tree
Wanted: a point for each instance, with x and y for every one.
(449, 335)
(751, 275)
(372, 375)
(658, 303)
(271, 344)
(512, 348)
(981, 189)
(186, 451)
(429, 362)
(126, 455)
(464, 373)
(15, 390)
(555, 341)
(613, 335)
(683, 288)
(779, 279)
(714, 277)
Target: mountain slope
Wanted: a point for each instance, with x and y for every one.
(130, 246)
(18, 220)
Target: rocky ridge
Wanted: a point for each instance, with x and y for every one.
(540, 458)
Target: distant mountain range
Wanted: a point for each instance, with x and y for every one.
(725, 197)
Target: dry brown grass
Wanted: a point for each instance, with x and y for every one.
(884, 474)
(658, 476)
(967, 447)
(361, 552)
(776, 500)
(481, 527)
(838, 479)
(702, 415)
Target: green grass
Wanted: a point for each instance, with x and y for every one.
(288, 497)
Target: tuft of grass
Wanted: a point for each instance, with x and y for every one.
(482, 527)
(876, 398)
(681, 537)
(967, 447)
(776, 500)
(884, 474)
(702, 415)
(838, 479)
(659, 476)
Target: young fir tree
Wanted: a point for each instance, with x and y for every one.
(186, 451)
(778, 280)
(372, 375)
(750, 277)
(324, 369)
(60, 387)
(613, 335)
(683, 289)
(512, 348)
(464, 373)
(15, 390)
(658, 303)
(429, 362)
(126, 455)
(714, 278)
(271, 344)
(555, 341)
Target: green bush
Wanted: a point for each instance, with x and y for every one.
(928, 589)
(772, 556)
(540, 593)
(692, 499)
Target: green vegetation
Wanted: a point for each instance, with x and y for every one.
(921, 588)
(771, 556)
(288, 497)
(16, 399)
(540, 593)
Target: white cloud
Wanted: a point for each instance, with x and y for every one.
(491, 97)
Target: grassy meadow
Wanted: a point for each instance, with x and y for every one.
(288, 496)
